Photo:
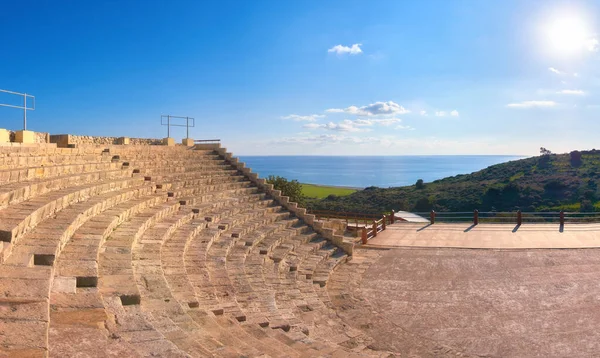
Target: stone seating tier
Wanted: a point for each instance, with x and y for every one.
(158, 251)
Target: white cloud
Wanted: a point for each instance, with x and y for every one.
(341, 50)
(423, 113)
(361, 144)
(357, 125)
(363, 122)
(373, 109)
(298, 118)
(386, 122)
(453, 113)
(552, 69)
(592, 45)
(531, 104)
(344, 126)
(408, 128)
(575, 92)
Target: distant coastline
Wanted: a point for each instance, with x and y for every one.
(359, 172)
(335, 186)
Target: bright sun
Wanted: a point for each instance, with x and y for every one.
(567, 35)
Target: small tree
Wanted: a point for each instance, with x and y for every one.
(544, 151)
(289, 188)
(419, 184)
(575, 157)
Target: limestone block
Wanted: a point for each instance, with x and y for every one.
(25, 137)
(4, 135)
(169, 141)
(64, 284)
(123, 140)
(188, 142)
(61, 140)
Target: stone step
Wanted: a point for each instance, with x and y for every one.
(21, 218)
(17, 175)
(49, 237)
(13, 162)
(14, 193)
(154, 289)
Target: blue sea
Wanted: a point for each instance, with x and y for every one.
(364, 171)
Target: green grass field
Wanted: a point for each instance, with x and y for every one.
(322, 191)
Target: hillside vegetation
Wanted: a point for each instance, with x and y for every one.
(322, 191)
(545, 183)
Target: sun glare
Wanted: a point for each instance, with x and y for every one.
(567, 34)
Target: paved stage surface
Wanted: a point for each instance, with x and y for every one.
(432, 302)
(502, 236)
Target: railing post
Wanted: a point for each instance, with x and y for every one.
(432, 217)
(519, 217)
(562, 218)
(364, 235)
(25, 111)
(393, 217)
(384, 219)
(476, 217)
(374, 228)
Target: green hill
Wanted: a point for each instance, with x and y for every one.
(544, 183)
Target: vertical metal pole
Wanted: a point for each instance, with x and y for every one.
(187, 127)
(168, 126)
(562, 218)
(25, 111)
(476, 217)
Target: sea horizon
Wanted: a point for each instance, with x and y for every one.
(358, 171)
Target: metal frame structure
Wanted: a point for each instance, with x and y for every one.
(24, 107)
(169, 124)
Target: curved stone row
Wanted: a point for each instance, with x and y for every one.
(157, 251)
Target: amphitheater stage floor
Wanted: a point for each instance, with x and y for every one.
(490, 236)
(432, 302)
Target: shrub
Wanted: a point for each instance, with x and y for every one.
(419, 184)
(575, 157)
(290, 188)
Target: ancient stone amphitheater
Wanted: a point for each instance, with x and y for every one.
(146, 250)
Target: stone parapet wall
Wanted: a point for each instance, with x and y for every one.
(40, 137)
(64, 140)
(338, 226)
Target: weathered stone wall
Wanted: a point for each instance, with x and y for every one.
(338, 226)
(63, 140)
(40, 137)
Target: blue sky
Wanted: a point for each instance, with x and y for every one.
(312, 77)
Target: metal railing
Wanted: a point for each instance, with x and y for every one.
(203, 141)
(511, 217)
(169, 124)
(23, 107)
